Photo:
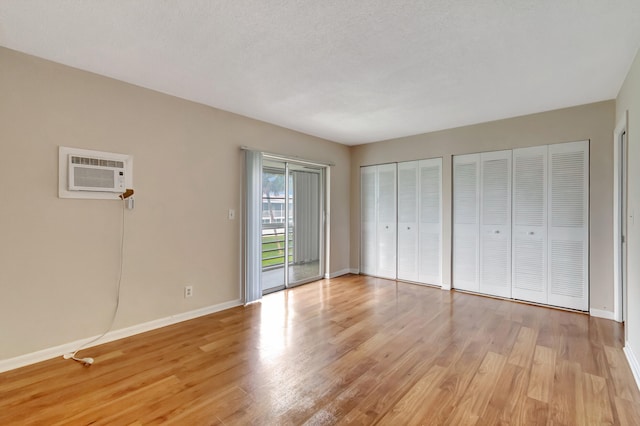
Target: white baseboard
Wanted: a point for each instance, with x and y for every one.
(602, 314)
(633, 363)
(341, 272)
(48, 353)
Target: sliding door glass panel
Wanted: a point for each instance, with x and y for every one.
(305, 223)
(273, 226)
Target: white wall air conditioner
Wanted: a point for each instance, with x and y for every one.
(96, 174)
(89, 174)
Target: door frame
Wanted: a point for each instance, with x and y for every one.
(618, 256)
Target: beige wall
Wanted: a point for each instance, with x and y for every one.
(594, 122)
(629, 102)
(59, 257)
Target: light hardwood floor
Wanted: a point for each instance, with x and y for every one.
(349, 350)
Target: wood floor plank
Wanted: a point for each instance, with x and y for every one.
(396, 353)
(597, 409)
(628, 412)
(208, 410)
(534, 412)
(542, 372)
(475, 399)
(506, 405)
(119, 409)
(563, 405)
(455, 382)
(390, 386)
(620, 371)
(522, 352)
(409, 408)
(350, 350)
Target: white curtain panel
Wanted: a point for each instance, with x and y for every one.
(306, 210)
(253, 227)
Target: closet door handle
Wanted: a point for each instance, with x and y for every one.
(496, 231)
(408, 227)
(531, 232)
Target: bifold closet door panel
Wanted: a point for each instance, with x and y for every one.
(529, 239)
(568, 227)
(466, 216)
(419, 221)
(408, 232)
(495, 223)
(368, 218)
(430, 218)
(387, 220)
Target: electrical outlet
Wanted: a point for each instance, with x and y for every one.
(188, 291)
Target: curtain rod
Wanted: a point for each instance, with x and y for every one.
(289, 157)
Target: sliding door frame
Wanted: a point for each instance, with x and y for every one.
(323, 222)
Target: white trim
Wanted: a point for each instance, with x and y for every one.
(327, 220)
(289, 158)
(602, 314)
(340, 273)
(633, 363)
(48, 353)
(442, 261)
(617, 285)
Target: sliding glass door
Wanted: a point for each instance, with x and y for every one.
(292, 224)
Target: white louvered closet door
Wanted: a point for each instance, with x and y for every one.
(529, 239)
(495, 223)
(430, 215)
(408, 248)
(466, 174)
(568, 227)
(368, 219)
(387, 220)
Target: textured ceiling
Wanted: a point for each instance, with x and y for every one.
(349, 71)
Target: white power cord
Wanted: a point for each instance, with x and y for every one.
(87, 361)
(72, 355)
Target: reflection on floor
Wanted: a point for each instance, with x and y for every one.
(300, 272)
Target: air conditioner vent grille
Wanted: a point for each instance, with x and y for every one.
(89, 161)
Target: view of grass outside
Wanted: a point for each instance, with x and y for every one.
(273, 250)
(273, 217)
